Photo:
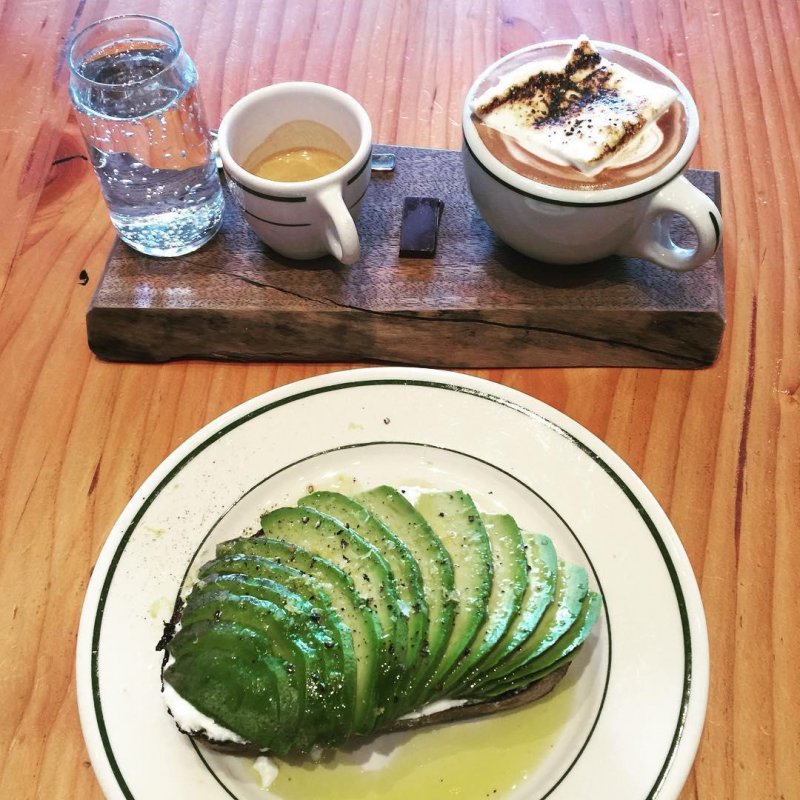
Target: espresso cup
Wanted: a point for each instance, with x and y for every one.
(299, 219)
(560, 224)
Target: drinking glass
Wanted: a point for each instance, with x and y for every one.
(135, 92)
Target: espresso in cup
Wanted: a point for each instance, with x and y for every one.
(300, 150)
(575, 151)
(297, 157)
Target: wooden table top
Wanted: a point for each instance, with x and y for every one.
(719, 447)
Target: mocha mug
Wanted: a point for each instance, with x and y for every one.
(564, 225)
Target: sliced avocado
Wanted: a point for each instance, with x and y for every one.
(404, 566)
(371, 576)
(229, 674)
(367, 568)
(510, 579)
(572, 584)
(242, 700)
(215, 603)
(562, 662)
(346, 613)
(458, 525)
(436, 569)
(542, 569)
(328, 669)
(563, 650)
(316, 622)
(330, 686)
(284, 562)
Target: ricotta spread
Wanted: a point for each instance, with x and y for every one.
(267, 771)
(434, 708)
(190, 720)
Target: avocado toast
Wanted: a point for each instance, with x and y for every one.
(348, 616)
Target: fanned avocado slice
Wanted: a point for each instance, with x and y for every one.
(404, 566)
(280, 561)
(347, 612)
(230, 674)
(217, 603)
(458, 525)
(542, 571)
(327, 671)
(436, 568)
(572, 584)
(555, 656)
(510, 580)
(367, 568)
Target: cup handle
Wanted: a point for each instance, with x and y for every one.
(340, 229)
(652, 239)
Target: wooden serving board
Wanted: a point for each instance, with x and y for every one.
(477, 303)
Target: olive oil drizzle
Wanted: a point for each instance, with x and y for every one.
(485, 758)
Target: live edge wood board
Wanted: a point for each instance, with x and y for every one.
(476, 303)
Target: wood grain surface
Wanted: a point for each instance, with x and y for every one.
(719, 447)
(474, 303)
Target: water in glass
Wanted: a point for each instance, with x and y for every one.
(137, 102)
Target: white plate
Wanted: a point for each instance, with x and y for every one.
(624, 725)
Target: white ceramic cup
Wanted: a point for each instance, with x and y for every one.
(299, 219)
(573, 226)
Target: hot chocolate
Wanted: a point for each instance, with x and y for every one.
(585, 123)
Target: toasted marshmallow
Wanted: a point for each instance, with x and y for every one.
(588, 112)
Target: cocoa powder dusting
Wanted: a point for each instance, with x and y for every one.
(552, 98)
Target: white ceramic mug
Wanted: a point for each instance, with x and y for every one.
(299, 219)
(573, 226)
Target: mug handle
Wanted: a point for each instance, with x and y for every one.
(652, 239)
(340, 229)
